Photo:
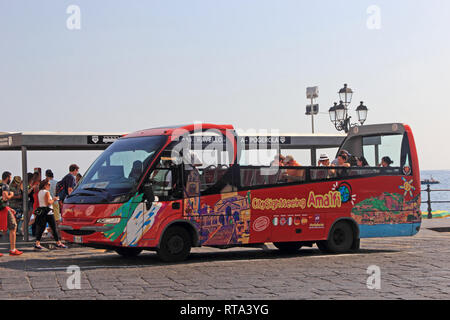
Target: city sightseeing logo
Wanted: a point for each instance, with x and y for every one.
(332, 199)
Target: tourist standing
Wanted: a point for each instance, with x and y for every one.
(11, 219)
(16, 202)
(33, 192)
(68, 183)
(45, 215)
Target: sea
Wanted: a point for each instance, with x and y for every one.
(444, 177)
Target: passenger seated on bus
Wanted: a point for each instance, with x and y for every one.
(341, 162)
(136, 170)
(324, 161)
(320, 174)
(293, 174)
(344, 152)
(386, 162)
(362, 162)
(273, 173)
(278, 160)
(352, 160)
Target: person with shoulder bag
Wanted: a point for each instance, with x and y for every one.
(44, 214)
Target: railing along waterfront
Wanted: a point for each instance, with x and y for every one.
(429, 202)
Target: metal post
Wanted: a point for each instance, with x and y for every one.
(313, 150)
(377, 156)
(25, 192)
(312, 115)
(430, 215)
(313, 157)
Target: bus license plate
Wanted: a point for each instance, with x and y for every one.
(77, 239)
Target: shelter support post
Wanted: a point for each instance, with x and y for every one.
(25, 192)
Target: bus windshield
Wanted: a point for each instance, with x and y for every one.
(117, 171)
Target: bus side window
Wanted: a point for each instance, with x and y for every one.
(216, 180)
(375, 148)
(165, 181)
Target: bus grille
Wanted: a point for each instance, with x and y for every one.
(79, 232)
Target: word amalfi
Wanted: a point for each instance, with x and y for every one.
(332, 199)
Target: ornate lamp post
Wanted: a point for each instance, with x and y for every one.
(339, 112)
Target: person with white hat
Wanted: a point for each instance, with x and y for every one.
(324, 161)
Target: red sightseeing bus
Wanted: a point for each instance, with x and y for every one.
(166, 189)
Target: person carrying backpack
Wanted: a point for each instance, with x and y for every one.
(68, 183)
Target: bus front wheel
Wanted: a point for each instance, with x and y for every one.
(340, 239)
(128, 252)
(175, 245)
(289, 247)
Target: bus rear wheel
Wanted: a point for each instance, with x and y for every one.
(128, 252)
(175, 245)
(340, 239)
(288, 247)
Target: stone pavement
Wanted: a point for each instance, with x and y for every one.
(411, 268)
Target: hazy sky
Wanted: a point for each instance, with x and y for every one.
(140, 64)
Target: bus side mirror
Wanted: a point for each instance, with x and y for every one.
(148, 193)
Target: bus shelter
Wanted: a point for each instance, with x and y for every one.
(51, 141)
(77, 141)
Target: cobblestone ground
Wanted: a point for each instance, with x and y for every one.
(411, 268)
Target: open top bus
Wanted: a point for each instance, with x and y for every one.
(173, 188)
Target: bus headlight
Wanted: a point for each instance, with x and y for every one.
(114, 220)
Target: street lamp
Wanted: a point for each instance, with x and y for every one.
(361, 111)
(339, 112)
(332, 112)
(345, 94)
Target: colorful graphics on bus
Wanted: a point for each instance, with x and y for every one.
(227, 219)
(222, 219)
(389, 214)
(135, 221)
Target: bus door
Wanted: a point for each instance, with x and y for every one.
(165, 181)
(387, 201)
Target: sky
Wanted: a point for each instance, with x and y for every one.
(141, 64)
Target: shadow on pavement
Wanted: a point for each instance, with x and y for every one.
(111, 260)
